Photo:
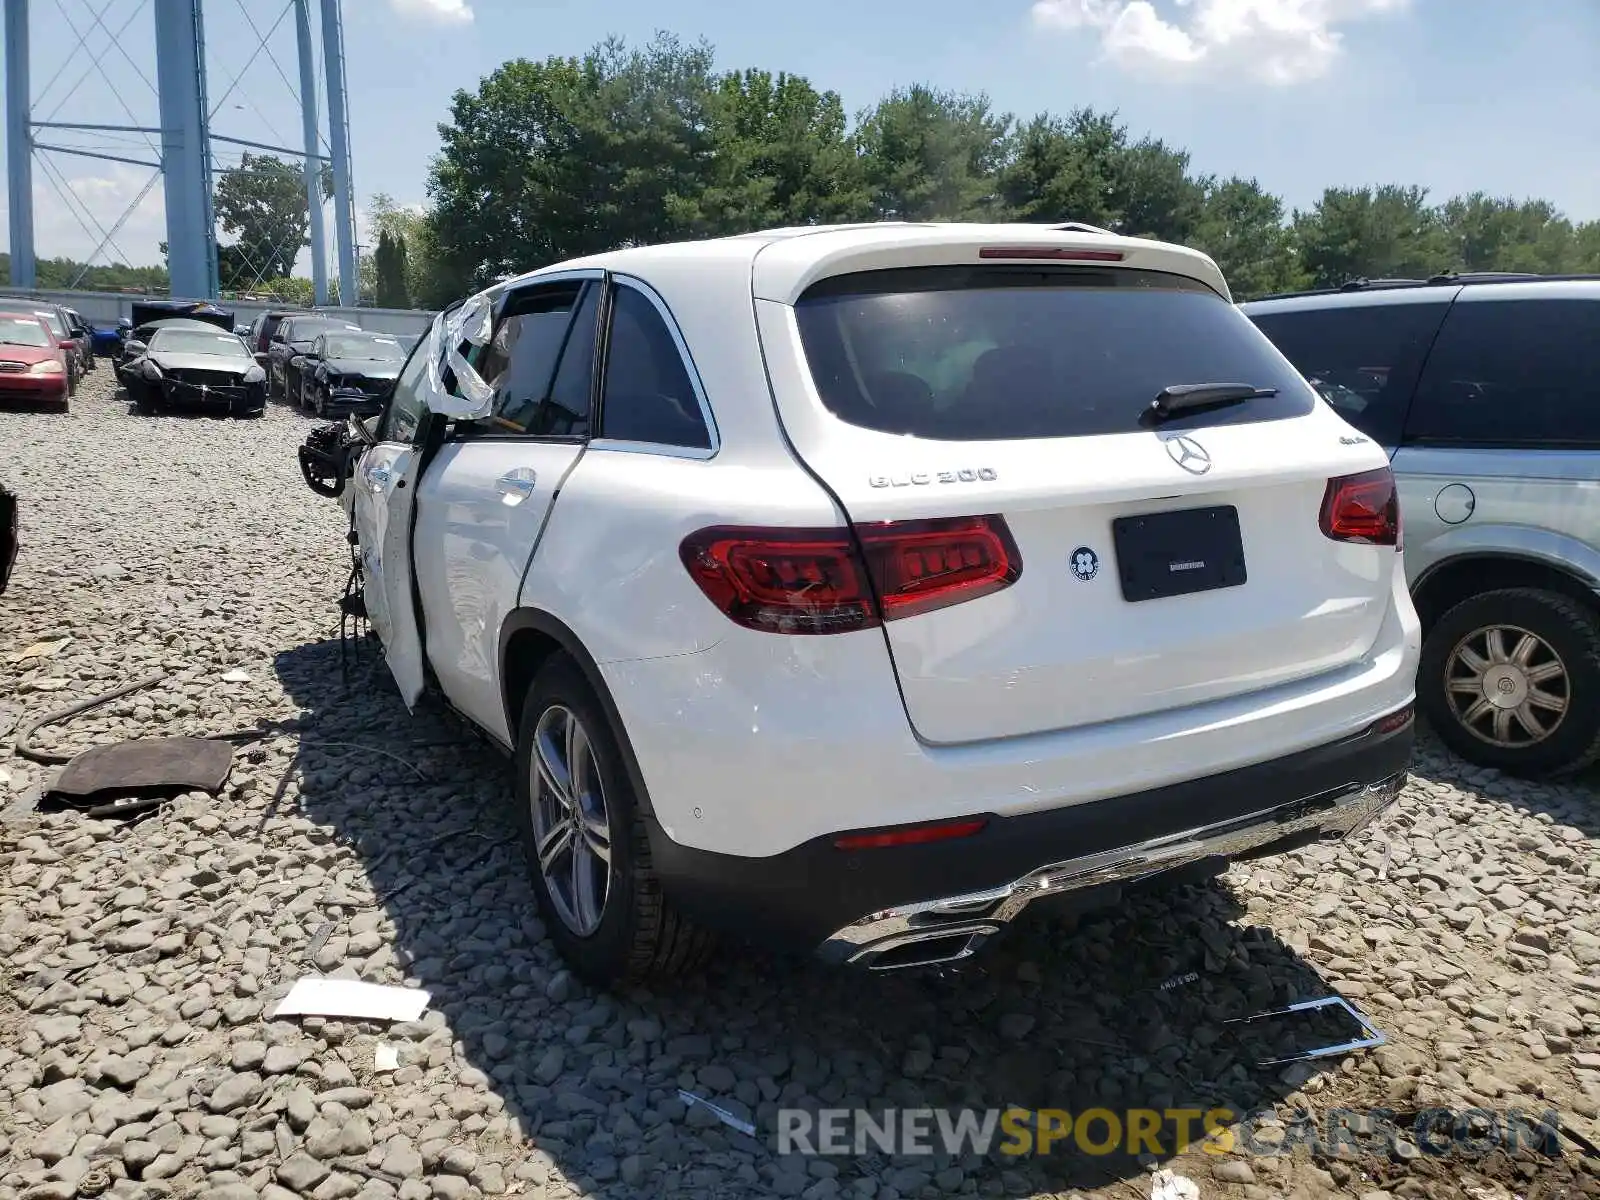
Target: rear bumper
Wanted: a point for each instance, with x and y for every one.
(911, 904)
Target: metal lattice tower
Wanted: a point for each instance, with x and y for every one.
(184, 157)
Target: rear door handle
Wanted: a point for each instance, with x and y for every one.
(516, 486)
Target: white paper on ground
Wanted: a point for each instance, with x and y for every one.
(385, 1057)
(316, 996)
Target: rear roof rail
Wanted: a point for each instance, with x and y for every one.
(1444, 279)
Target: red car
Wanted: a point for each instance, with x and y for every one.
(33, 364)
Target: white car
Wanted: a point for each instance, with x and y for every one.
(857, 586)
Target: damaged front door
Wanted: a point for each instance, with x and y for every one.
(384, 488)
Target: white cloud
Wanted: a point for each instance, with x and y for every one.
(445, 12)
(1279, 42)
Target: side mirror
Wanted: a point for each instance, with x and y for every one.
(69, 343)
(134, 347)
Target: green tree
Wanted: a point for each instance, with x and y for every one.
(262, 204)
(929, 155)
(1061, 169)
(780, 156)
(1371, 233)
(1240, 225)
(1490, 234)
(390, 268)
(573, 156)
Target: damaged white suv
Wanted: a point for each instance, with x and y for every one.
(856, 586)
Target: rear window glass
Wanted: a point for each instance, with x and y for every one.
(1512, 373)
(976, 353)
(1363, 359)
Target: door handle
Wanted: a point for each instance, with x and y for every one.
(516, 486)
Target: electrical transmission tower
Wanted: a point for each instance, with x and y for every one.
(182, 145)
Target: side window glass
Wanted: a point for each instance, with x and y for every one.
(575, 376)
(406, 402)
(1512, 373)
(1363, 360)
(519, 363)
(648, 396)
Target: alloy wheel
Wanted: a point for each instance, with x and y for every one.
(1507, 686)
(571, 824)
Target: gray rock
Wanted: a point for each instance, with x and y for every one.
(300, 1172)
(236, 1091)
(401, 1158)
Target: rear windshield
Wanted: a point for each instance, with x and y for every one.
(977, 353)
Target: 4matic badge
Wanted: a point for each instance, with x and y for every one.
(922, 478)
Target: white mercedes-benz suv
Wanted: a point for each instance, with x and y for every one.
(857, 586)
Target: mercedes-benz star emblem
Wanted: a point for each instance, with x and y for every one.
(1189, 454)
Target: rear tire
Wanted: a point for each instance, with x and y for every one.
(1502, 666)
(633, 933)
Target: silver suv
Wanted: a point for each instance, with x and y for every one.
(1485, 390)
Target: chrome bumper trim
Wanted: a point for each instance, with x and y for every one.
(962, 923)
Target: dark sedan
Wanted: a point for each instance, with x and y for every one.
(291, 339)
(204, 367)
(349, 372)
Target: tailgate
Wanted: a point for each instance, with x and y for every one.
(1162, 564)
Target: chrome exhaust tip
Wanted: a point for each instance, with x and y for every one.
(924, 948)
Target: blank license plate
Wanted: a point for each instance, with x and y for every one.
(1179, 553)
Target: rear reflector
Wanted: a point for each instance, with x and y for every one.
(1362, 508)
(1398, 719)
(1056, 253)
(807, 581)
(911, 835)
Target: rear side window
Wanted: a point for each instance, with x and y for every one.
(977, 353)
(1364, 360)
(1513, 373)
(648, 394)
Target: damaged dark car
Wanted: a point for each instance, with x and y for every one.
(192, 364)
(349, 372)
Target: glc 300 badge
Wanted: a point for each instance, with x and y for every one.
(923, 478)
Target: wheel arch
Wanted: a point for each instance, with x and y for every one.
(528, 638)
(1462, 576)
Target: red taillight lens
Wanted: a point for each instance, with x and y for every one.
(1053, 253)
(918, 566)
(1362, 508)
(814, 580)
(911, 835)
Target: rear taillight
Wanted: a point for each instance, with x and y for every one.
(1362, 508)
(835, 581)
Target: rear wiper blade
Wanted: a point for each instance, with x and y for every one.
(1186, 397)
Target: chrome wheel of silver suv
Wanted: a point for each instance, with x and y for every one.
(1507, 685)
(1510, 678)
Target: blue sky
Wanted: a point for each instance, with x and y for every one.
(1455, 95)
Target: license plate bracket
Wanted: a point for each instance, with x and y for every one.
(1179, 552)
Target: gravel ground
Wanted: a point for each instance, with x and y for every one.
(138, 959)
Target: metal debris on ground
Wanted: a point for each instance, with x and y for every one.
(320, 938)
(1169, 1185)
(722, 1114)
(1373, 1035)
(1179, 980)
(317, 996)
